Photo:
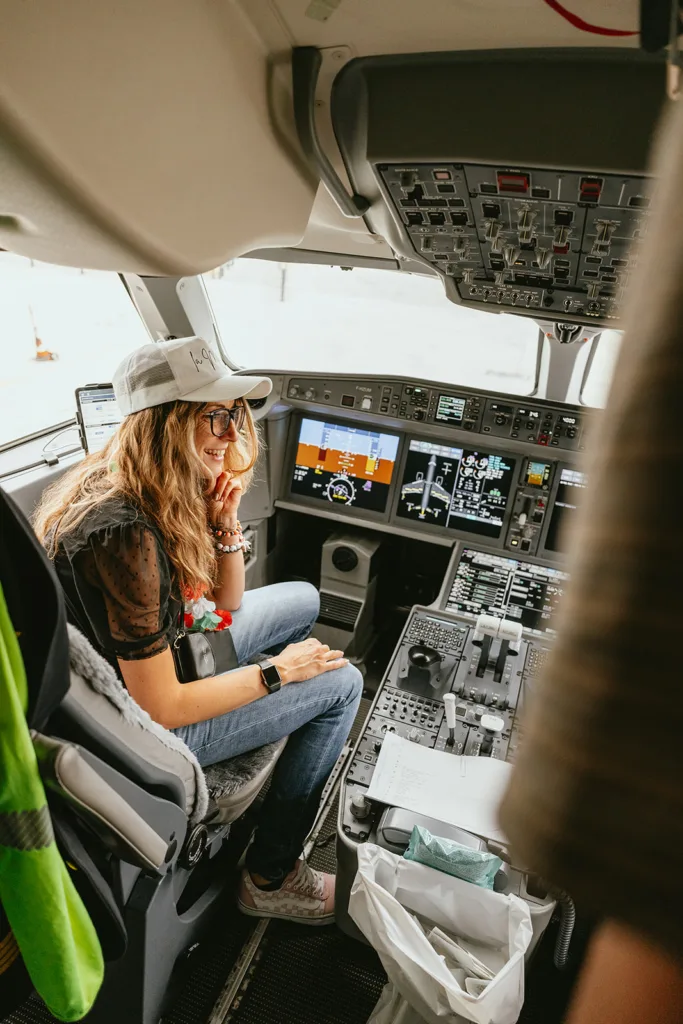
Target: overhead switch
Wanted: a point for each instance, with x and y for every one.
(509, 181)
(589, 190)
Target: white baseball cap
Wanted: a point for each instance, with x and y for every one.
(185, 369)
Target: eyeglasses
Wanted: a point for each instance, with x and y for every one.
(221, 419)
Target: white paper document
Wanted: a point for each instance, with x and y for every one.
(463, 791)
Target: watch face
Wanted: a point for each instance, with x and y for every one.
(271, 676)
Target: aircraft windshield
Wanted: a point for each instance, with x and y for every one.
(296, 316)
(60, 328)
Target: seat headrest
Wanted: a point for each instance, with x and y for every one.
(36, 606)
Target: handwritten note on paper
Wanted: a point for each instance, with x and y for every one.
(463, 791)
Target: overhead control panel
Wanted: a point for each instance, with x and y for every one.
(538, 423)
(523, 238)
(518, 176)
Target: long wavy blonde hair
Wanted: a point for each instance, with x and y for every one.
(151, 462)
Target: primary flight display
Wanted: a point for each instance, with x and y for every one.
(344, 464)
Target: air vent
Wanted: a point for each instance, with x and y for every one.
(339, 611)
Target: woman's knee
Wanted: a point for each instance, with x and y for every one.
(306, 599)
(350, 682)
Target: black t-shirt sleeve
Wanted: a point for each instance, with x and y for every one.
(130, 569)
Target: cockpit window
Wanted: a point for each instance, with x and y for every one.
(599, 380)
(302, 317)
(59, 328)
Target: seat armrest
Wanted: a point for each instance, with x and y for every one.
(79, 724)
(67, 774)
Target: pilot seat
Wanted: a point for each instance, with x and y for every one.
(143, 827)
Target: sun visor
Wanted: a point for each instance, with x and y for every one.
(139, 137)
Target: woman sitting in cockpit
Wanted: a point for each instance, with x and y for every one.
(138, 536)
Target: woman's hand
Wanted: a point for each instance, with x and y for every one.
(225, 499)
(304, 660)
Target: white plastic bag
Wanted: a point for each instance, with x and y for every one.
(388, 890)
(393, 1009)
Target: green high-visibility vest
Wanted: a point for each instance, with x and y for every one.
(50, 924)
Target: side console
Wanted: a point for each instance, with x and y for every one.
(438, 654)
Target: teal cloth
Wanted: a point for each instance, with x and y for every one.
(476, 866)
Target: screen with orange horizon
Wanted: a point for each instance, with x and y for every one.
(344, 465)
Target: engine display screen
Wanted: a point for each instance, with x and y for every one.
(572, 484)
(450, 409)
(344, 465)
(507, 587)
(458, 488)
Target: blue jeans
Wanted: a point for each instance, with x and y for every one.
(316, 715)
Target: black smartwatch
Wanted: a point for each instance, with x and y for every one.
(270, 676)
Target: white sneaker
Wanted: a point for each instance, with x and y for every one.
(306, 896)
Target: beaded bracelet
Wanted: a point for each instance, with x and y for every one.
(239, 543)
(224, 549)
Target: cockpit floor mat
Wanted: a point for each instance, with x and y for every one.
(200, 979)
(311, 976)
(32, 1012)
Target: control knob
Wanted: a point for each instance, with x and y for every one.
(360, 807)
(510, 254)
(310, 393)
(525, 224)
(468, 275)
(459, 243)
(561, 236)
(414, 735)
(500, 278)
(593, 290)
(491, 231)
(377, 746)
(542, 258)
(293, 391)
(604, 233)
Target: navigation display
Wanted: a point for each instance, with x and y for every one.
(572, 483)
(458, 488)
(506, 587)
(344, 465)
(99, 414)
